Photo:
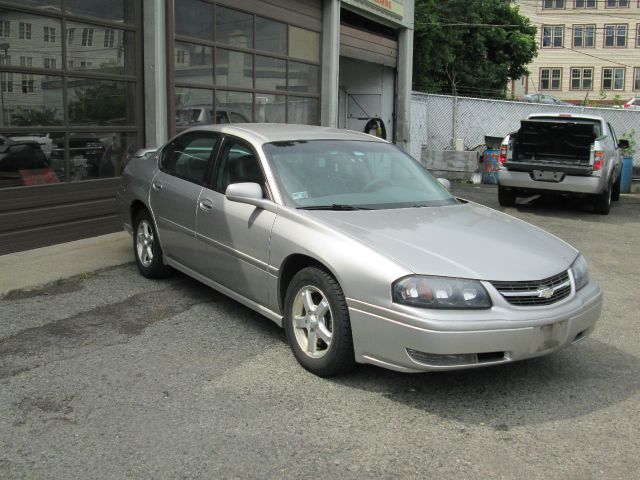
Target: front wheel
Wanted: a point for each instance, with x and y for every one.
(506, 196)
(317, 323)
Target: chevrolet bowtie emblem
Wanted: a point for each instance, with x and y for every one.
(546, 293)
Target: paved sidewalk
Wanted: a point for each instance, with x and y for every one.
(32, 268)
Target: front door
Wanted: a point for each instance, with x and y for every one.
(234, 237)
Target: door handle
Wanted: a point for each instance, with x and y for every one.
(205, 205)
(156, 186)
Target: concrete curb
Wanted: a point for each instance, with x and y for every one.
(33, 268)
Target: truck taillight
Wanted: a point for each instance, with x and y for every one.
(598, 159)
(503, 154)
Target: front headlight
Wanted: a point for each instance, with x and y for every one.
(580, 272)
(440, 292)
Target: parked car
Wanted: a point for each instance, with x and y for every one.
(563, 153)
(354, 248)
(17, 158)
(633, 104)
(544, 98)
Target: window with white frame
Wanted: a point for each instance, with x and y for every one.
(613, 78)
(49, 34)
(109, 37)
(585, 4)
(582, 78)
(5, 28)
(6, 82)
(616, 3)
(552, 36)
(24, 31)
(638, 35)
(636, 79)
(71, 33)
(615, 36)
(87, 37)
(26, 61)
(50, 63)
(553, 3)
(27, 83)
(550, 78)
(584, 36)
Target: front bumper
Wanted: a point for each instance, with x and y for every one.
(570, 183)
(396, 341)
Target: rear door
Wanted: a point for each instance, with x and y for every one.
(184, 164)
(234, 237)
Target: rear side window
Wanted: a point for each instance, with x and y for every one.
(189, 155)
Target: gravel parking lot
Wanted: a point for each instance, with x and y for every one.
(110, 375)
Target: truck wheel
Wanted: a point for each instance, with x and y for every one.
(602, 202)
(506, 197)
(615, 193)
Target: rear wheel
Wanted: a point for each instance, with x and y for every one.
(317, 323)
(146, 247)
(615, 193)
(602, 202)
(506, 196)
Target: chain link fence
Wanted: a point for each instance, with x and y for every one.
(436, 120)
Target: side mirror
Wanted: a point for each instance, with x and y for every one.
(249, 193)
(445, 183)
(623, 143)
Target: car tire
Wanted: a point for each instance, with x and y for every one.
(317, 323)
(146, 247)
(506, 196)
(615, 193)
(602, 201)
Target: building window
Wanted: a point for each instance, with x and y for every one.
(71, 33)
(616, 3)
(24, 31)
(87, 37)
(615, 36)
(552, 36)
(638, 35)
(27, 83)
(109, 37)
(582, 78)
(585, 4)
(50, 34)
(180, 56)
(613, 78)
(5, 59)
(553, 3)
(26, 61)
(5, 28)
(6, 82)
(550, 78)
(636, 79)
(584, 36)
(50, 63)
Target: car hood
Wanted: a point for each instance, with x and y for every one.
(464, 240)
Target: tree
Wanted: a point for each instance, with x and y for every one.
(472, 47)
(26, 117)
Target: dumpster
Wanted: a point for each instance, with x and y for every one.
(490, 166)
(625, 177)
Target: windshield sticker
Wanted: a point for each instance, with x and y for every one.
(299, 195)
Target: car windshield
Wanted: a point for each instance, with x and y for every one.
(347, 175)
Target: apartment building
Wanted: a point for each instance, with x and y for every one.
(587, 50)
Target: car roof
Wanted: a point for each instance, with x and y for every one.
(260, 133)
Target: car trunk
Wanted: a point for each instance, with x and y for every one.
(555, 142)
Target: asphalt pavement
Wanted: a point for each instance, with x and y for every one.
(108, 375)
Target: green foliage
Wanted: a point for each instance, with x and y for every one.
(476, 59)
(99, 103)
(631, 136)
(26, 117)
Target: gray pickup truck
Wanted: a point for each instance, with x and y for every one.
(564, 153)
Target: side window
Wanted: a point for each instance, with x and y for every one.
(188, 156)
(238, 164)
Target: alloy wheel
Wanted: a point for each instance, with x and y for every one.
(144, 243)
(312, 321)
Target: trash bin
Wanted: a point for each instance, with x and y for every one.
(490, 167)
(627, 173)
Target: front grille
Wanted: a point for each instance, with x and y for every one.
(535, 292)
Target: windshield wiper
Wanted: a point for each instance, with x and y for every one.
(333, 206)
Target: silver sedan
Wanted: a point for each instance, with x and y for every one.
(351, 246)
